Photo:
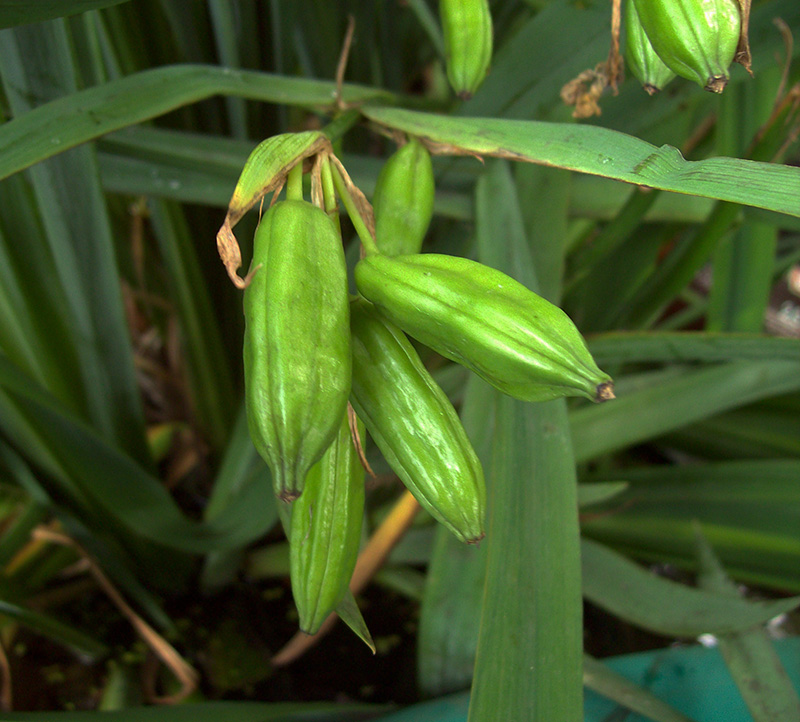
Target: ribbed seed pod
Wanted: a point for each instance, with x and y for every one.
(403, 200)
(643, 61)
(326, 531)
(467, 30)
(485, 320)
(297, 363)
(414, 424)
(696, 39)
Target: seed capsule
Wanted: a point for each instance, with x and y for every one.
(643, 61)
(696, 39)
(414, 424)
(297, 363)
(326, 531)
(403, 200)
(467, 29)
(485, 320)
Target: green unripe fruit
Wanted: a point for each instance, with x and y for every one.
(326, 531)
(517, 341)
(643, 61)
(403, 200)
(696, 39)
(297, 363)
(414, 424)
(467, 30)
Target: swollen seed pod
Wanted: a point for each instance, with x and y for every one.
(326, 531)
(414, 424)
(297, 363)
(643, 61)
(403, 200)
(696, 39)
(467, 30)
(475, 315)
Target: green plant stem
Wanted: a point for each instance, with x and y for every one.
(355, 216)
(294, 183)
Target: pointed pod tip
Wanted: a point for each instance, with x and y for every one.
(604, 392)
(716, 83)
(476, 540)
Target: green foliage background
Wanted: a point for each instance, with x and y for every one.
(126, 126)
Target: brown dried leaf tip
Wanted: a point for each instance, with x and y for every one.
(743, 56)
(231, 255)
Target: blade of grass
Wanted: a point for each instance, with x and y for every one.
(600, 678)
(757, 431)
(51, 628)
(451, 604)
(602, 300)
(241, 466)
(743, 266)
(212, 391)
(684, 347)
(528, 660)
(36, 62)
(21, 12)
(131, 495)
(612, 236)
(746, 508)
(750, 656)
(79, 117)
(429, 23)
(742, 279)
(624, 589)
(554, 46)
(672, 403)
(545, 219)
(624, 157)
(224, 26)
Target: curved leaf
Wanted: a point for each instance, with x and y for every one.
(603, 152)
(628, 591)
(76, 118)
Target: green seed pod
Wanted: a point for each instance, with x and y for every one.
(481, 318)
(403, 200)
(696, 39)
(467, 29)
(414, 424)
(326, 531)
(643, 62)
(297, 363)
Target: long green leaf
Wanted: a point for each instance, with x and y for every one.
(53, 629)
(451, 605)
(626, 590)
(600, 678)
(21, 12)
(672, 403)
(685, 347)
(750, 655)
(623, 157)
(36, 62)
(746, 507)
(528, 660)
(76, 118)
(209, 373)
(130, 495)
